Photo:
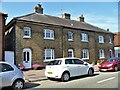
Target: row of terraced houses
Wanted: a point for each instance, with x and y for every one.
(38, 38)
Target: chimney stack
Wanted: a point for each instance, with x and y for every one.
(38, 9)
(66, 15)
(81, 18)
(108, 29)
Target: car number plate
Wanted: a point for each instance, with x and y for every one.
(49, 72)
(103, 69)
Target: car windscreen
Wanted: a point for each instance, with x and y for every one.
(111, 60)
(55, 62)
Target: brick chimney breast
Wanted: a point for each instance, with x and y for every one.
(80, 18)
(66, 15)
(38, 9)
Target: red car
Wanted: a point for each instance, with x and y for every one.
(112, 64)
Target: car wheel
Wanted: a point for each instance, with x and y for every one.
(116, 68)
(65, 77)
(18, 85)
(90, 72)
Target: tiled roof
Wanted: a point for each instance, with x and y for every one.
(117, 39)
(42, 18)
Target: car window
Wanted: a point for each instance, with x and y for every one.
(111, 60)
(119, 59)
(69, 61)
(6, 67)
(77, 61)
(55, 62)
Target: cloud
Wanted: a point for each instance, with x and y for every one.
(103, 21)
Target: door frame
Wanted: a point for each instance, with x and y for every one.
(30, 57)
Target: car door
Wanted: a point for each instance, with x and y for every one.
(70, 65)
(7, 74)
(81, 67)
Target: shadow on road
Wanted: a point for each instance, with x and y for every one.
(75, 78)
(81, 77)
(27, 86)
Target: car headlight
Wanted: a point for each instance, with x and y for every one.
(99, 65)
(109, 65)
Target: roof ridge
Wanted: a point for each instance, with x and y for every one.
(24, 15)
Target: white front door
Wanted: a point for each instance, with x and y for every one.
(27, 58)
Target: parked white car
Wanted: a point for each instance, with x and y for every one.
(10, 75)
(64, 68)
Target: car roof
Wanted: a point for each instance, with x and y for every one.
(66, 58)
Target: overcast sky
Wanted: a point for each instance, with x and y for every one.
(101, 14)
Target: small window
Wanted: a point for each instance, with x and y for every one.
(101, 53)
(78, 61)
(27, 32)
(6, 67)
(101, 39)
(85, 54)
(70, 36)
(70, 53)
(84, 37)
(48, 54)
(69, 61)
(110, 40)
(48, 34)
(111, 53)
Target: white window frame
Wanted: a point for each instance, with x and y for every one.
(70, 36)
(47, 52)
(111, 52)
(84, 37)
(101, 54)
(110, 40)
(101, 39)
(28, 30)
(50, 32)
(85, 54)
(70, 51)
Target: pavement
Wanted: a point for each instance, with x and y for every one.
(39, 75)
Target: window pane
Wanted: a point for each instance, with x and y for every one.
(49, 54)
(6, 67)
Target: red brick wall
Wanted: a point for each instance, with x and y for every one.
(117, 39)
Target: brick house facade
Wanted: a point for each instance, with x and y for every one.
(37, 38)
(117, 44)
(2, 32)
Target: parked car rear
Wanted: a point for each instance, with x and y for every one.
(64, 68)
(10, 75)
(111, 64)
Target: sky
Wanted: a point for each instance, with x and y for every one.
(101, 14)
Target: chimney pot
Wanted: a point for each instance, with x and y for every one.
(38, 9)
(80, 18)
(108, 29)
(66, 15)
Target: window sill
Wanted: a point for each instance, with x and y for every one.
(101, 42)
(25, 37)
(101, 57)
(49, 38)
(84, 41)
(85, 58)
(70, 40)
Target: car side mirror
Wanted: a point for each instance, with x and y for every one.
(85, 63)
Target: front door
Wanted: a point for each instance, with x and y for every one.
(27, 58)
